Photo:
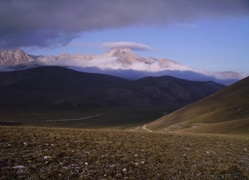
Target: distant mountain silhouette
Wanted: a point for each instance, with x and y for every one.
(150, 90)
(57, 85)
(46, 83)
(134, 75)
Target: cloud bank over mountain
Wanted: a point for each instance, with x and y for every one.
(121, 61)
(25, 23)
(131, 45)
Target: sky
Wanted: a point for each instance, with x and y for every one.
(203, 34)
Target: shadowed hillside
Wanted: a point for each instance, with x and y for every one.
(48, 83)
(37, 96)
(226, 111)
(164, 90)
(56, 85)
(55, 79)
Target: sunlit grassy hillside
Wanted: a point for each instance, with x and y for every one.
(226, 111)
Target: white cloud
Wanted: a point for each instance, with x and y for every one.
(104, 63)
(132, 45)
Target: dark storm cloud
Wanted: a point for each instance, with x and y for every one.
(57, 22)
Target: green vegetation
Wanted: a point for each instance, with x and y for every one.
(120, 117)
(54, 153)
(240, 126)
(226, 111)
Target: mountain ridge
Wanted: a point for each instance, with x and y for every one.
(79, 87)
(120, 59)
(33, 96)
(14, 57)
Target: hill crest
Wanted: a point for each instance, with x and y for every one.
(223, 108)
(82, 88)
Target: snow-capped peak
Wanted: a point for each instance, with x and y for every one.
(14, 57)
(121, 58)
(126, 56)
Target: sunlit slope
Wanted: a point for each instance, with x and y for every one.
(226, 111)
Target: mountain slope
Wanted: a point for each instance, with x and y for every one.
(45, 83)
(165, 90)
(226, 111)
(14, 57)
(56, 79)
(76, 87)
(33, 96)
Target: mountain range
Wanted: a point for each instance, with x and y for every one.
(122, 62)
(56, 85)
(33, 96)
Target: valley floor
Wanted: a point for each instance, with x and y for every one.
(57, 153)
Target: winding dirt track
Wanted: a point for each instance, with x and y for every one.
(75, 119)
(145, 128)
(88, 117)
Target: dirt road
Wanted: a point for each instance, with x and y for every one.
(75, 119)
(145, 128)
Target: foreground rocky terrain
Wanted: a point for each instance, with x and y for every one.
(48, 153)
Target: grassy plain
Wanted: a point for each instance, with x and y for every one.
(119, 117)
(63, 153)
